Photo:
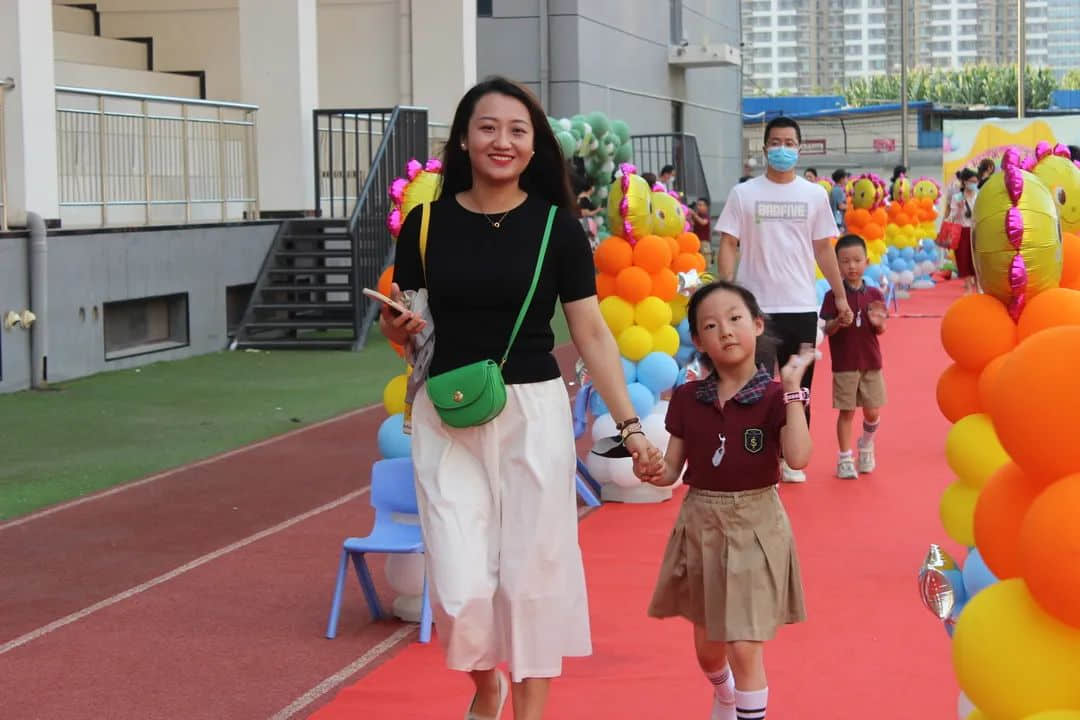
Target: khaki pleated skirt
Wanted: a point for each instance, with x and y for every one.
(731, 566)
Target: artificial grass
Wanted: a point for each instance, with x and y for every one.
(96, 432)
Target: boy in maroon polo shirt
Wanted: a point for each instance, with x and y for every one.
(856, 356)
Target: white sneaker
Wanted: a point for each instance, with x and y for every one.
(867, 462)
(791, 475)
(845, 468)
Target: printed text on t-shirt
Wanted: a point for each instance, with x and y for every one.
(769, 210)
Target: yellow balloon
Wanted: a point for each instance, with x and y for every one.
(1062, 178)
(1055, 715)
(425, 187)
(639, 207)
(636, 342)
(668, 215)
(901, 189)
(666, 340)
(864, 193)
(393, 395)
(618, 314)
(1011, 658)
(993, 252)
(924, 188)
(977, 714)
(958, 512)
(678, 311)
(973, 450)
(818, 275)
(652, 313)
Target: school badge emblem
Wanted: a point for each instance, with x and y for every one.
(754, 440)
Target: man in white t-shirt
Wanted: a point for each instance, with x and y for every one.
(780, 224)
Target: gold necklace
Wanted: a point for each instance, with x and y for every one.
(497, 223)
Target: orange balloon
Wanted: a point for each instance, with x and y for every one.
(613, 255)
(399, 349)
(892, 209)
(701, 262)
(880, 217)
(685, 262)
(385, 280)
(652, 253)
(988, 377)
(633, 284)
(1070, 263)
(902, 218)
(665, 284)
(605, 285)
(1050, 308)
(1034, 401)
(872, 231)
(999, 513)
(1050, 547)
(975, 330)
(688, 242)
(674, 245)
(958, 393)
(861, 216)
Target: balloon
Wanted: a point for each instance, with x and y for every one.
(1034, 401)
(864, 194)
(632, 219)
(666, 340)
(665, 284)
(1055, 715)
(636, 342)
(652, 313)
(618, 314)
(999, 513)
(642, 398)
(970, 348)
(1050, 550)
(629, 370)
(668, 214)
(657, 371)
(678, 309)
(973, 451)
(977, 576)
(613, 255)
(1056, 306)
(1070, 260)
(603, 426)
(391, 439)
(652, 253)
(689, 242)
(987, 378)
(385, 281)
(633, 284)
(567, 143)
(685, 262)
(958, 393)
(1016, 238)
(958, 511)
(1004, 643)
(405, 573)
(1062, 177)
(605, 285)
(393, 396)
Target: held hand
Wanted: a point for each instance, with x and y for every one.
(406, 323)
(843, 312)
(877, 314)
(791, 374)
(648, 462)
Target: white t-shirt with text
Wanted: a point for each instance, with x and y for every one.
(776, 225)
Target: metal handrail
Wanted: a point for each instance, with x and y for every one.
(155, 98)
(5, 85)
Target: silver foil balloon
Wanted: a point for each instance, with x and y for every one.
(695, 370)
(689, 281)
(935, 586)
(582, 373)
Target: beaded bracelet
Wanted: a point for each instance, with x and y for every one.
(802, 395)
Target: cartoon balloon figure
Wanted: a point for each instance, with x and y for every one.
(630, 205)
(901, 190)
(867, 192)
(1016, 239)
(1054, 166)
(421, 184)
(926, 187)
(668, 213)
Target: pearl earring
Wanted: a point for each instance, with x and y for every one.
(463, 146)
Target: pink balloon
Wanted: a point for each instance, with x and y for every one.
(1014, 227)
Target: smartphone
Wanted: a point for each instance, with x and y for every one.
(395, 307)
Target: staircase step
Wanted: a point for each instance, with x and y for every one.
(307, 288)
(294, 344)
(312, 270)
(300, 324)
(343, 253)
(316, 237)
(314, 223)
(302, 306)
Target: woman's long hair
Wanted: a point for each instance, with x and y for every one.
(546, 173)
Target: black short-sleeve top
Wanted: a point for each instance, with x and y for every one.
(478, 276)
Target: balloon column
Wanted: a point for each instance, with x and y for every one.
(602, 144)
(646, 272)
(911, 212)
(1013, 608)
(866, 215)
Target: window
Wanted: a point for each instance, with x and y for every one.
(852, 35)
(146, 325)
(483, 8)
(760, 37)
(876, 49)
(940, 15)
(875, 3)
(760, 6)
(788, 83)
(877, 34)
(787, 36)
(967, 45)
(852, 50)
(939, 30)
(789, 67)
(853, 66)
(761, 68)
(877, 64)
(876, 18)
(763, 52)
(968, 14)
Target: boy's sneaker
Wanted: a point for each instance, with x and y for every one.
(867, 462)
(845, 468)
(791, 475)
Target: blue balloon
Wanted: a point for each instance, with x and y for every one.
(596, 404)
(392, 441)
(642, 399)
(658, 372)
(975, 573)
(629, 371)
(892, 251)
(898, 265)
(684, 332)
(907, 253)
(684, 355)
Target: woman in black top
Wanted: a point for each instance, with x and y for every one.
(497, 502)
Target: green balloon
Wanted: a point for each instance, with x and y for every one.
(578, 128)
(567, 143)
(599, 123)
(622, 130)
(624, 154)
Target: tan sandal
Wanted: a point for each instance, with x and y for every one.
(504, 691)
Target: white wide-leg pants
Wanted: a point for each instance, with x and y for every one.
(498, 508)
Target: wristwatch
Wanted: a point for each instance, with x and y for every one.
(801, 395)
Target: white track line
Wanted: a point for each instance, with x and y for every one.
(168, 473)
(345, 673)
(197, 562)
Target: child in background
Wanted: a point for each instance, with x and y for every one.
(730, 566)
(856, 357)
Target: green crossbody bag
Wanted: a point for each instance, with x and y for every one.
(476, 393)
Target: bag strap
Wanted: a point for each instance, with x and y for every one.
(425, 217)
(532, 288)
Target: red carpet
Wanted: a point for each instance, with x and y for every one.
(868, 650)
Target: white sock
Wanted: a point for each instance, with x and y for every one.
(846, 455)
(750, 704)
(723, 694)
(868, 430)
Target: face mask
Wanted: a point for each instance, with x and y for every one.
(972, 186)
(782, 159)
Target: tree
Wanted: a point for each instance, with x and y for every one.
(1071, 81)
(971, 85)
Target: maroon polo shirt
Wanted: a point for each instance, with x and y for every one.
(734, 447)
(855, 347)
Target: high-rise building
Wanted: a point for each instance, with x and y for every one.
(1062, 38)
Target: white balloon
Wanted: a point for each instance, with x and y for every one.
(661, 408)
(599, 468)
(565, 123)
(964, 707)
(603, 426)
(927, 266)
(894, 277)
(907, 277)
(622, 472)
(653, 425)
(405, 573)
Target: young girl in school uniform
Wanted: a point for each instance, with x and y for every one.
(730, 566)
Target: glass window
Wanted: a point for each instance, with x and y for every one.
(483, 8)
(763, 52)
(852, 35)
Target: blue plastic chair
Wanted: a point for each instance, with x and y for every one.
(587, 488)
(392, 491)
